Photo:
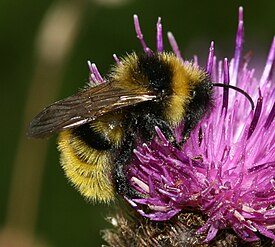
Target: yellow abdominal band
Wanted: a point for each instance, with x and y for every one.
(87, 168)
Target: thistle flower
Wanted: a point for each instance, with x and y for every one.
(226, 169)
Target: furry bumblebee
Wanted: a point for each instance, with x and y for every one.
(100, 126)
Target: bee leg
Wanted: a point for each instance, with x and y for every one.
(149, 129)
(119, 177)
(189, 124)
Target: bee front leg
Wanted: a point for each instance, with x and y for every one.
(149, 129)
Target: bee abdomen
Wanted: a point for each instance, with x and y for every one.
(92, 138)
(86, 167)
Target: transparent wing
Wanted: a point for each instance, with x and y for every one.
(85, 107)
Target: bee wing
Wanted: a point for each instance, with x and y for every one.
(85, 107)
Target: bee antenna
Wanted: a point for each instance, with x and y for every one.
(238, 90)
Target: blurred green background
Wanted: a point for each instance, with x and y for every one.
(44, 47)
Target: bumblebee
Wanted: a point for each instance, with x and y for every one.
(100, 126)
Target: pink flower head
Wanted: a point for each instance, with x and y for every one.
(226, 169)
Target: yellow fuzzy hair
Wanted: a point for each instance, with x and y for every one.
(88, 169)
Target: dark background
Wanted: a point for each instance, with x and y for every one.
(61, 217)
